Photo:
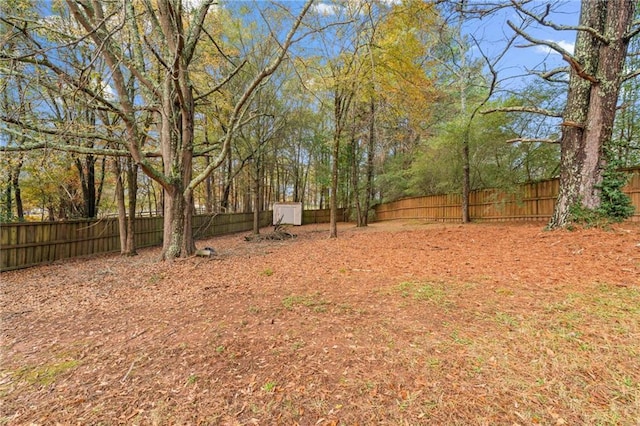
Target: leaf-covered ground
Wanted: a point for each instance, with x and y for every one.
(398, 323)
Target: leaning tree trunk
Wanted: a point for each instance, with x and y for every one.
(591, 104)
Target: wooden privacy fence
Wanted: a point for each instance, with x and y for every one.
(33, 243)
(530, 201)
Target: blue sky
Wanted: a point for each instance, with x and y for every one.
(493, 33)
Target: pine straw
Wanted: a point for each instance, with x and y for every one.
(400, 323)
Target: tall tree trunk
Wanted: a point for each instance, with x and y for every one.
(341, 104)
(256, 194)
(177, 156)
(466, 178)
(15, 184)
(125, 224)
(338, 114)
(209, 198)
(355, 177)
(208, 182)
(371, 144)
(8, 200)
(132, 183)
(333, 220)
(86, 173)
(120, 203)
(99, 190)
(591, 105)
(228, 181)
(466, 163)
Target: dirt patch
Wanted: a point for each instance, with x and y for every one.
(397, 323)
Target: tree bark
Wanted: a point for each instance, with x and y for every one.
(355, 177)
(466, 178)
(591, 105)
(120, 203)
(126, 221)
(86, 172)
(333, 223)
(14, 183)
(132, 183)
(256, 194)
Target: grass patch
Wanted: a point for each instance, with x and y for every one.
(423, 291)
(269, 387)
(313, 301)
(192, 379)
(45, 374)
(506, 319)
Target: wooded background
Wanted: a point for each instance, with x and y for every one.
(221, 107)
(32, 243)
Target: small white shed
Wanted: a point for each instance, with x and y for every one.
(290, 213)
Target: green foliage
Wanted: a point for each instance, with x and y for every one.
(584, 216)
(393, 181)
(436, 165)
(615, 205)
(625, 143)
(6, 215)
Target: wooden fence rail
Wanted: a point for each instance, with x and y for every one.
(33, 243)
(531, 201)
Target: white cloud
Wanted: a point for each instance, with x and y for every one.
(325, 9)
(566, 45)
(191, 5)
(109, 92)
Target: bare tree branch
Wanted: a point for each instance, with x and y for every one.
(534, 110)
(195, 29)
(58, 132)
(549, 75)
(542, 20)
(630, 76)
(634, 31)
(565, 54)
(219, 86)
(533, 140)
(42, 142)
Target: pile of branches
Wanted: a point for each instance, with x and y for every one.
(279, 233)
